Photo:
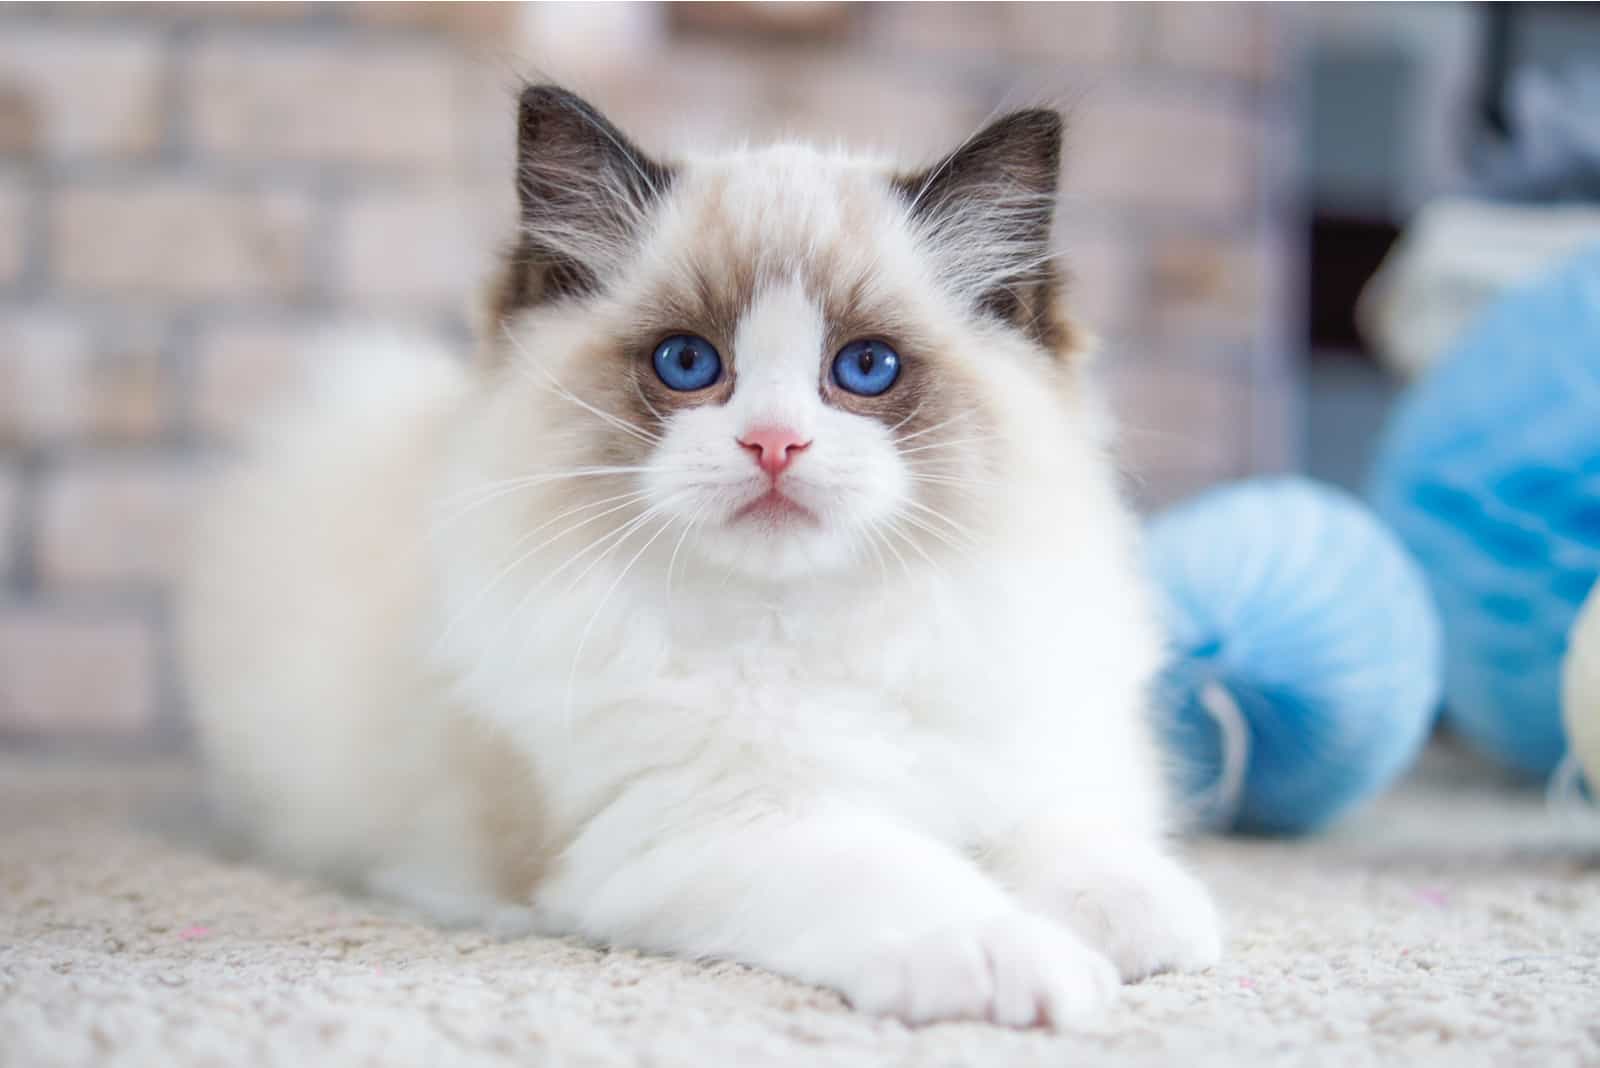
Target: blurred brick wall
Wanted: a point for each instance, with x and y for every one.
(188, 192)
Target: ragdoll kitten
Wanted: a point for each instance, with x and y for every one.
(763, 593)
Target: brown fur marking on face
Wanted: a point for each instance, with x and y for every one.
(943, 430)
(1034, 307)
(653, 402)
(935, 409)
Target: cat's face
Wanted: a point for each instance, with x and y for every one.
(780, 361)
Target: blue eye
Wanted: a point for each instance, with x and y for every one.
(687, 362)
(866, 367)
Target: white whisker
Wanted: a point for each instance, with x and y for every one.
(959, 528)
(477, 598)
(525, 357)
(877, 532)
(633, 377)
(672, 561)
(909, 416)
(883, 566)
(964, 485)
(933, 532)
(509, 486)
(632, 525)
(583, 639)
(949, 444)
(893, 527)
(931, 429)
(609, 537)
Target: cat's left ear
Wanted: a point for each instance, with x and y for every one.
(985, 212)
(585, 195)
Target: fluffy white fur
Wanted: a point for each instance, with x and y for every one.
(437, 651)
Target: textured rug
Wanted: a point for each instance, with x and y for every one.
(1456, 922)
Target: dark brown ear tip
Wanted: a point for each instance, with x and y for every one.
(534, 103)
(538, 105)
(1040, 120)
(1041, 125)
(545, 95)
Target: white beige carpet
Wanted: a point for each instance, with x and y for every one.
(1455, 923)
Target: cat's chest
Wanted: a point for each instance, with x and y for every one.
(776, 662)
(904, 711)
(796, 718)
(844, 689)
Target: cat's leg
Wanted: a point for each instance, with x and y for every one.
(1119, 890)
(828, 893)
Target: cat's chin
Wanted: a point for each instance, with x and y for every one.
(776, 542)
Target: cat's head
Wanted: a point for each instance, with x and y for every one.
(795, 362)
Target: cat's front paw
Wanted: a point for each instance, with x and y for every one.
(1017, 970)
(1148, 915)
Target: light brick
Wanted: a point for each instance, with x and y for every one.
(314, 102)
(79, 92)
(598, 46)
(1174, 418)
(1163, 152)
(187, 10)
(400, 248)
(469, 20)
(21, 124)
(57, 383)
(1084, 34)
(486, 126)
(1208, 286)
(241, 369)
(240, 10)
(10, 517)
(76, 676)
(696, 96)
(13, 229)
(802, 18)
(179, 238)
(679, 100)
(1099, 263)
(860, 105)
(118, 524)
(1224, 39)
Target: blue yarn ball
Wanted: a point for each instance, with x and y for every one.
(1490, 473)
(1294, 613)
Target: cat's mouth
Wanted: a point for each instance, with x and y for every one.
(773, 508)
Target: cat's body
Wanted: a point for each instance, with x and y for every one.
(847, 685)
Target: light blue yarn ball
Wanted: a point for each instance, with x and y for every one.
(1297, 616)
(1490, 473)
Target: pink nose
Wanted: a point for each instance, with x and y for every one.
(774, 447)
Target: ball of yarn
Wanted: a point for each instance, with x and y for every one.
(1580, 697)
(1306, 651)
(1490, 473)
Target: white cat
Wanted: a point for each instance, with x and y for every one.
(763, 593)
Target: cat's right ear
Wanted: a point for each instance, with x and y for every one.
(584, 195)
(985, 213)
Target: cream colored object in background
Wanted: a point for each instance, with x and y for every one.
(1580, 691)
(1453, 261)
